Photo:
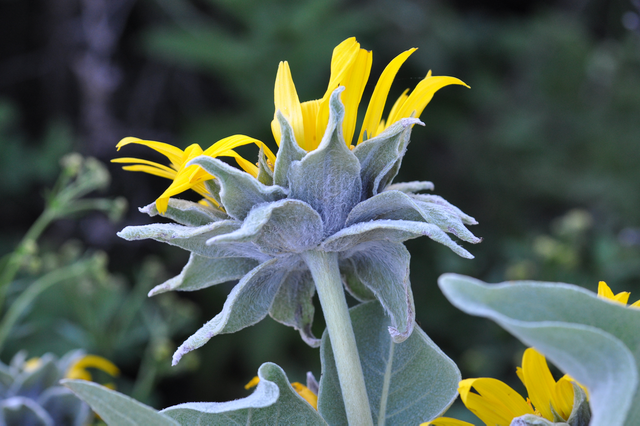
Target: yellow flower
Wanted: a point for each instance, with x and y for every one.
(306, 393)
(350, 67)
(78, 370)
(623, 297)
(497, 404)
(192, 177)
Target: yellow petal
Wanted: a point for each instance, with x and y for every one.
(622, 297)
(32, 364)
(171, 152)
(446, 421)
(344, 55)
(421, 96)
(635, 304)
(287, 102)
(520, 374)
(150, 167)
(309, 114)
(564, 397)
(78, 370)
(342, 58)
(605, 292)
(379, 98)
(394, 111)
(539, 382)
(496, 403)
(253, 382)
(306, 394)
(246, 165)
(235, 141)
(150, 170)
(354, 84)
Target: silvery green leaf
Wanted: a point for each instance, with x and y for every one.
(115, 408)
(407, 383)
(285, 226)
(383, 267)
(64, 407)
(534, 420)
(411, 187)
(353, 284)
(20, 410)
(328, 178)
(214, 188)
(265, 175)
(391, 230)
(187, 212)
(581, 412)
(5, 378)
(293, 305)
(239, 190)
(380, 157)
(201, 272)
(273, 403)
(288, 153)
(248, 303)
(436, 199)
(194, 239)
(30, 383)
(396, 205)
(595, 341)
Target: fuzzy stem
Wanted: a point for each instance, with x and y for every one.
(325, 272)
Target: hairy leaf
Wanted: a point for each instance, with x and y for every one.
(407, 383)
(595, 341)
(328, 178)
(115, 408)
(273, 403)
(202, 272)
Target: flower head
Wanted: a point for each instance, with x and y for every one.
(605, 292)
(188, 177)
(350, 67)
(31, 392)
(497, 404)
(320, 196)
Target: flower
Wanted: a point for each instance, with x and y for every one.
(328, 199)
(31, 393)
(605, 292)
(350, 67)
(78, 369)
(497, 404)
(188, 177)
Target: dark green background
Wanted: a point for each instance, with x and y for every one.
(544, 150)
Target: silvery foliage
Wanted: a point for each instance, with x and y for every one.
(331, 199)
(594, 340)
(274, 402)
(32, 396)
(407, 384)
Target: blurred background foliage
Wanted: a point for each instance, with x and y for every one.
(544, 150)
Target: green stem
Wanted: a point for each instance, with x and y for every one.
(15, 259)
(326, 274)
(22, 302)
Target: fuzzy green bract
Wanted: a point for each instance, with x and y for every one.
(274, 402)
(407, 383)
(596, 341)
(330, 199)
